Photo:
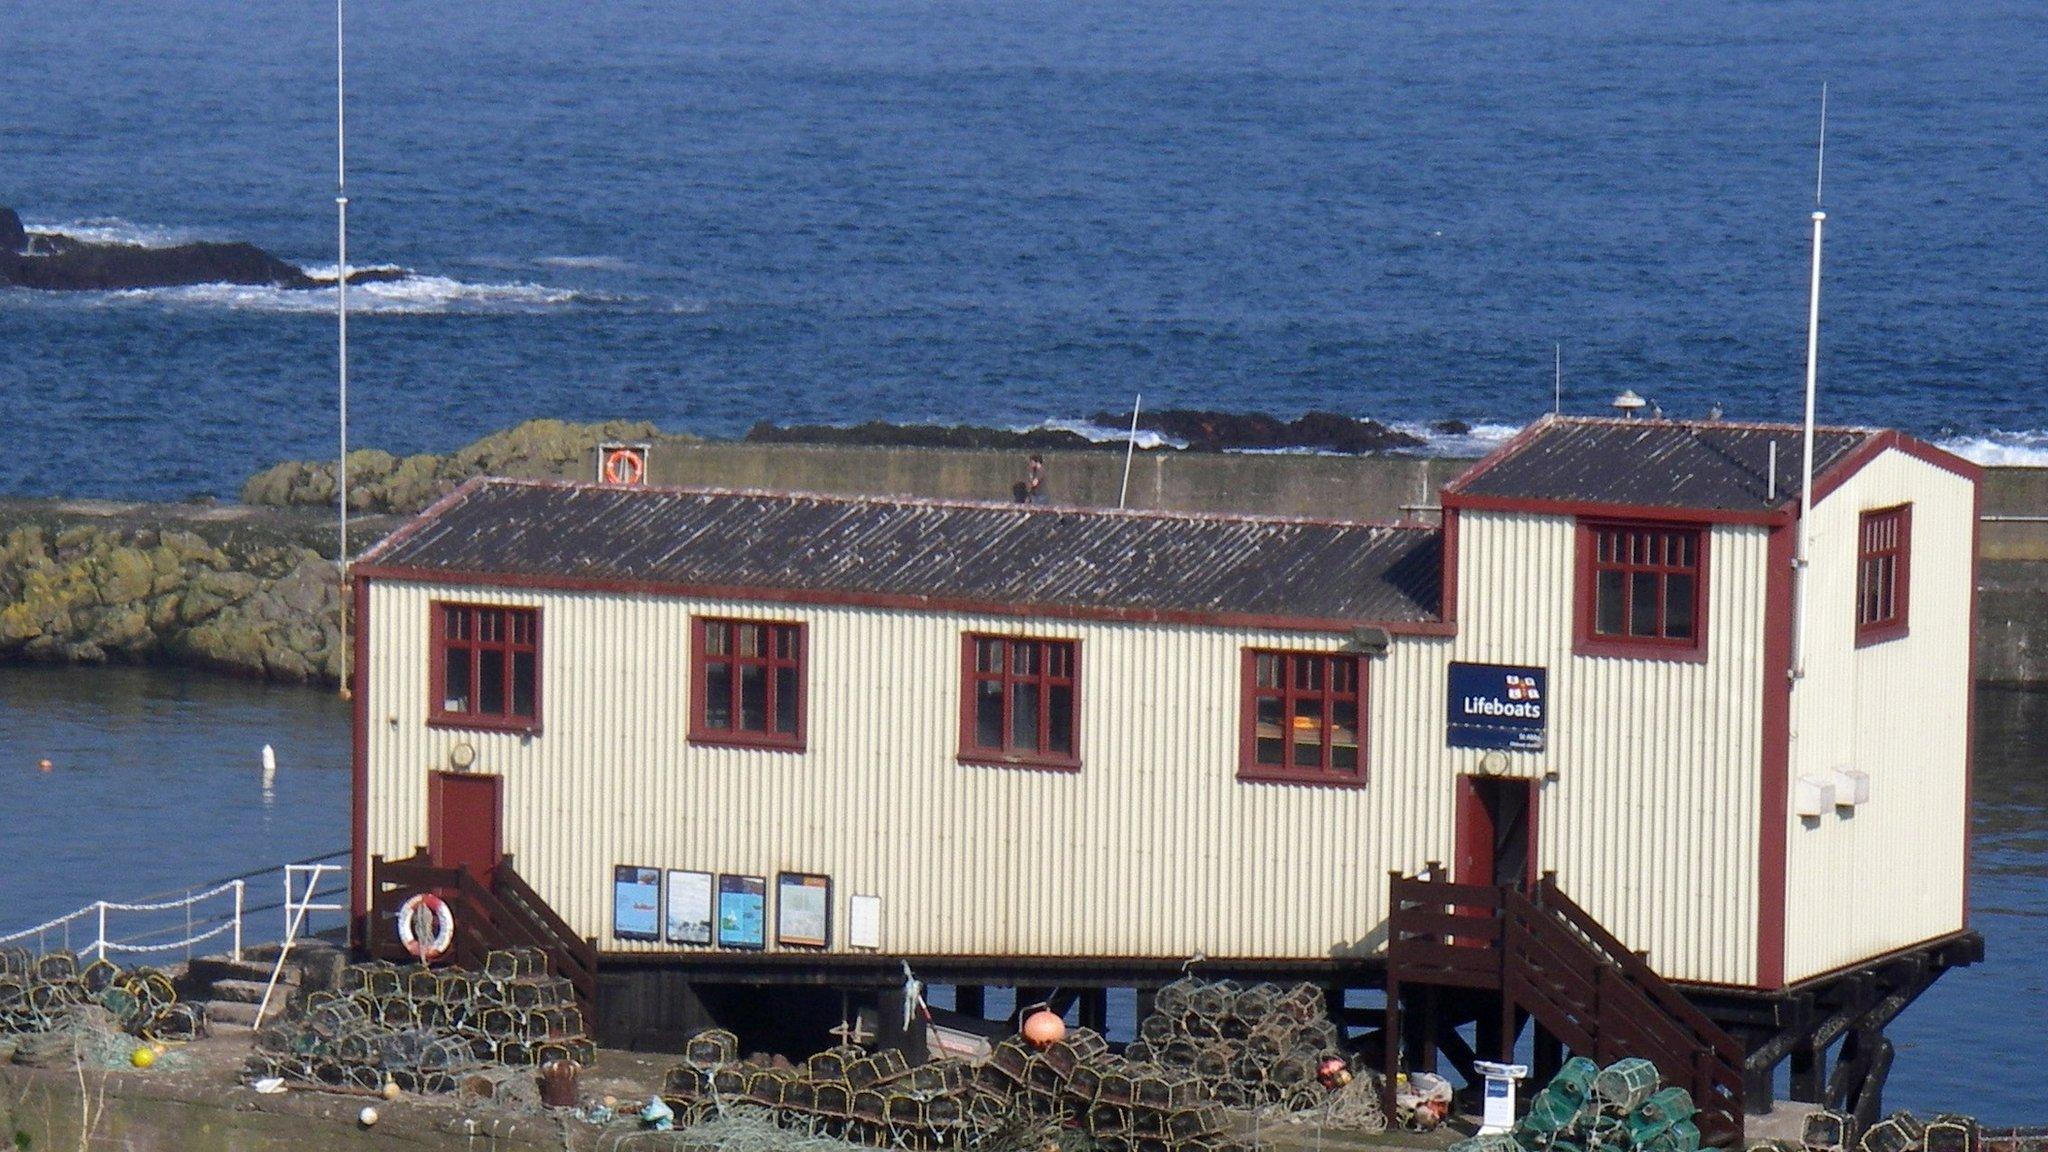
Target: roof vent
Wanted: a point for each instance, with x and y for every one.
(1628, 403)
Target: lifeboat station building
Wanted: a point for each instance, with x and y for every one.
(1593, 755)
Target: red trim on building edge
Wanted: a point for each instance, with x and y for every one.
(1825, 484)
(1970, 708)
(359, 772)
(411, 528)
(902, 601)
(1774, 771)
(1447, 605)
(1486, 463)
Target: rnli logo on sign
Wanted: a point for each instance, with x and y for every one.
(1496, 706)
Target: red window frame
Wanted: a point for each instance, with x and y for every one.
(1884, 573)
(1641, 555)
(470, 635)
(1305, 692)
(1053, 669)
(717, 642)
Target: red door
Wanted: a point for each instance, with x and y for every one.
(1496, 831)
(462, 822)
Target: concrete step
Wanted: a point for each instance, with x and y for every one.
(249, 991)
(212, 969)
(237, 1013)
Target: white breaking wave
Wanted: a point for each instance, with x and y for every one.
(2001, 449)
(1101, 434)
(600, 263)
(1477, 441)
(114, 230)
(414, 295)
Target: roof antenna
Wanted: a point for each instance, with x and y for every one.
(1557, 379)
(1798, 670)
(1130, 449)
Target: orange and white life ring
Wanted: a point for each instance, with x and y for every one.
(624, 466)
(426, 926)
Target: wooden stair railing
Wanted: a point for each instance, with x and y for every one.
(505, 914)
(1548, 957)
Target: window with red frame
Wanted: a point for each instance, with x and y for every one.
(1303, 716)
(750, 683)
(1883, 555)
(489, 670)
(1019, 705)
(1645, 586)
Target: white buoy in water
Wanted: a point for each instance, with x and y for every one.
(269, 759)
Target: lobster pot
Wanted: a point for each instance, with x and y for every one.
(1624, 1085)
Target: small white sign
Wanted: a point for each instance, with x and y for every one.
(864, 922)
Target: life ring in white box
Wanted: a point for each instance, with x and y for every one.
(426, 926)
(624, 466)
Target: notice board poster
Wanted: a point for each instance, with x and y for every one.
(742, 911)
(689, 907)
(1498, 706)
(803, 909)
(636, 903)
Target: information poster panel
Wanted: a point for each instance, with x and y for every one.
(636, 903)
(742, 911)
(689, 907)
(803, 910)
(864, 922)
(1501, 706)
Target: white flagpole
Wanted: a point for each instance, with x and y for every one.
(1812, 377)
(341, 266)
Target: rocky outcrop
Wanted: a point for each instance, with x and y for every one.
(1207, 431)
(89, 593)
(59, 263)
(381, 482)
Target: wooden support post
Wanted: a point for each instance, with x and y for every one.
(1148, 999)
(1759, 1090)
(1809, 1073)
(1392, 1032)
(970, 1000)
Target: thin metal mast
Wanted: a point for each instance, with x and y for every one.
(1130, 450)
(341, 265)
(1805, 537)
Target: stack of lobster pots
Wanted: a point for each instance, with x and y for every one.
(878, 1099)
(38, 992)
(1250, 1045)
(425, 1029)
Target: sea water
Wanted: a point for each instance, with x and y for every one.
(1020, 211)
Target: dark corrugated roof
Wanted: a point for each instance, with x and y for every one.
(983, 554)
(1711, 467)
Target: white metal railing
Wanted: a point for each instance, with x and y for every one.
(105, 929)
(227, 922)
(296, 905)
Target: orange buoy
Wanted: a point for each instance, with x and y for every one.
(1044, 1029)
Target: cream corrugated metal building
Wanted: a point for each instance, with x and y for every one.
(1008, 731)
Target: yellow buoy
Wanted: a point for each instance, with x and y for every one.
(142, 1057)
(391, 1090)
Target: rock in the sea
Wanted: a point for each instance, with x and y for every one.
(879, 434)
(1207, 431)
(59, 263)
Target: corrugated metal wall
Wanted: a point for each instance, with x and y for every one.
(1888, 873)
(1651, 822)
(1154, 848)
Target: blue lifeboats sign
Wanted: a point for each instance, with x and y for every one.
(1497, 706)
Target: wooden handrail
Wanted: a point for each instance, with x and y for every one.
(489, 919)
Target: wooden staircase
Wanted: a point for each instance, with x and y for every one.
(1544, 956)
(500, 911)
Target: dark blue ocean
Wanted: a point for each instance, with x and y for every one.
(1020, 211)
